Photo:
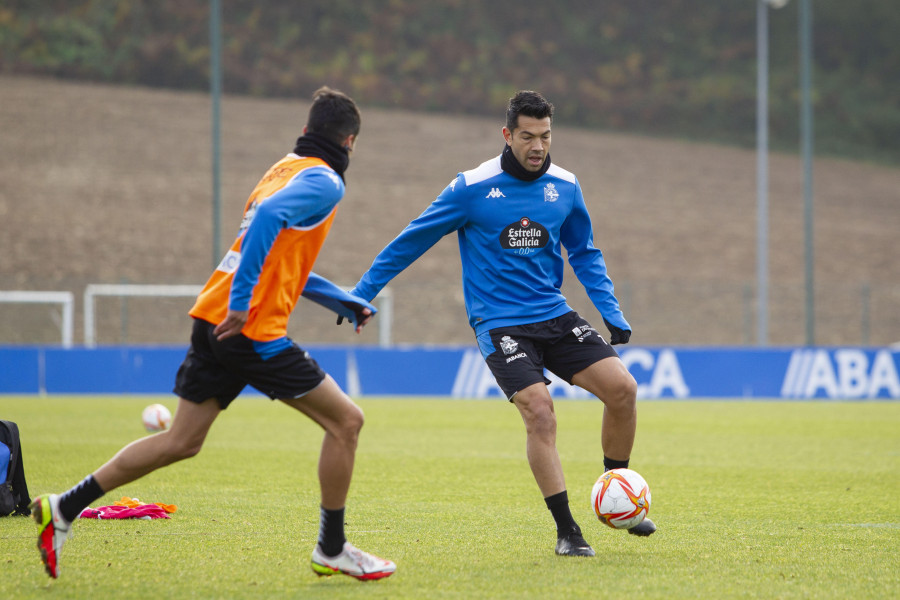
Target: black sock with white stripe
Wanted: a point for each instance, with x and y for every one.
(331, 531)
(74, 501)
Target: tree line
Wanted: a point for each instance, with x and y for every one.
(677, 68)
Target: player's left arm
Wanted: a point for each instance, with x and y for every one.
(577, 236)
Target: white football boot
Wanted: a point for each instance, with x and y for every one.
(54, 532)
(353, 562)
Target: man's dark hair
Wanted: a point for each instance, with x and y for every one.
(528, 103)
(333, 114)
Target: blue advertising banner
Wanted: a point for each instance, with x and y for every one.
(848, 373)
(845, 373)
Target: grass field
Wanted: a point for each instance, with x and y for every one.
(752, 500)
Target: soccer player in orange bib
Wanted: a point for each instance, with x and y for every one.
(240, 338)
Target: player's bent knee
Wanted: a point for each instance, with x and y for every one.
(355, 418)
(543, 425)
(348, 427)
(539, 417)
(629, 388)
(180, 449)
(624, 397)
(352, 429)
(184, 452)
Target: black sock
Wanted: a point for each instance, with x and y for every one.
(331, 531)
(559, 508)
(74, 501)
(610, 464)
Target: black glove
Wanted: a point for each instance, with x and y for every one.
(359, 315)
(617, 335)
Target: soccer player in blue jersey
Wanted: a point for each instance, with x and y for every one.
(512, 216)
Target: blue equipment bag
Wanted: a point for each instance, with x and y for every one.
(14, 498)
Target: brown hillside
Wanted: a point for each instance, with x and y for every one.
(103, 184)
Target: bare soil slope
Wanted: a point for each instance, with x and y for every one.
(102, 184)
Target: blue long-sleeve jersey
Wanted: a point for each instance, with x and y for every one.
(510, 234)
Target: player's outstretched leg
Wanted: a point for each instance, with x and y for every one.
(54, 530)
(353, 562)
(644, 528)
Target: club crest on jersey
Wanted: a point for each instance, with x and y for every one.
(508, 345)
(550, 193)
(524, 233)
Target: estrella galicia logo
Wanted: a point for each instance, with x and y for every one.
(524, 233)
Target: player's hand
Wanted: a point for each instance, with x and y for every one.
(617, 335)
(232, 325)
(363, 316)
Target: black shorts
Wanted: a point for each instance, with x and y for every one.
(565, 345)
(220, 370)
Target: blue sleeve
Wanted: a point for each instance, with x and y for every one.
(577, 235)
(321, 291)
(305, 200)
(445, 215)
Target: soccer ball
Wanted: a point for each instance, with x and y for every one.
(156, 417)
(621, 498)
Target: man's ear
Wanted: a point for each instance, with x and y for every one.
(349, 142)
(507, 135)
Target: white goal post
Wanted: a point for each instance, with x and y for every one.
(93, 290)
(66, 299)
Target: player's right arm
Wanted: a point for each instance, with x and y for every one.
(445, 215)
(232, 325)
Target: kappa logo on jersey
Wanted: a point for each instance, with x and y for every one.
(524, 233)
(550, 193)
(495, 193)
(508, 345)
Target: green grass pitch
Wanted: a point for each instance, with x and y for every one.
(752, 500)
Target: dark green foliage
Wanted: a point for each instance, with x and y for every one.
(675, 68)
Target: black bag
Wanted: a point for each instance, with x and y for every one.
(14, 498)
